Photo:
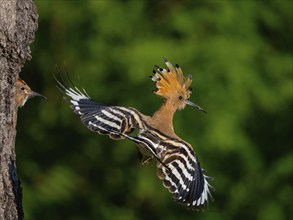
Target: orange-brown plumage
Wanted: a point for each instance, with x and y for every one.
(23, 93)
(175, 90)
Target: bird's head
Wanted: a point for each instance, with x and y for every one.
(173, 86)
(24, 92)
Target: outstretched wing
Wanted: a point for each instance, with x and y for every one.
(113, 121)
(184, 177)
(178, 167)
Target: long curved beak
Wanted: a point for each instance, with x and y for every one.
(33, 94)
(195, 105)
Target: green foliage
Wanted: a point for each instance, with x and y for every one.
(240, 56)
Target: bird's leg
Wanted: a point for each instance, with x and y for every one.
(143, 157)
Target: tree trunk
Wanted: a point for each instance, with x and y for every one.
(18, 23)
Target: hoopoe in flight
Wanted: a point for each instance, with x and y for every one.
(177, 164)
(23, 92)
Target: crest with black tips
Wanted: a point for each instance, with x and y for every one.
(171, 80)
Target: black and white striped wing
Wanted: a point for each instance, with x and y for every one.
(182, 174)
(178, 167)
(113, 121)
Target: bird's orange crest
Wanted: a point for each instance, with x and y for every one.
(171, 81)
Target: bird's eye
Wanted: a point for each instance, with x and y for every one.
(180, 97)
(22, 88)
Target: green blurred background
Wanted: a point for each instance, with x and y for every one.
(240, 56)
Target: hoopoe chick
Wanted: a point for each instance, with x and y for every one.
(177, 164)
(23, 93)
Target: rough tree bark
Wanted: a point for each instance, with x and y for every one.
(18, 23)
